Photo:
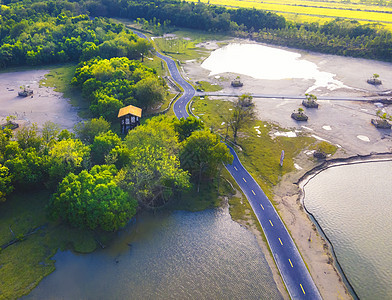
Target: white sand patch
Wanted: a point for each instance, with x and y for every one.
(286, 134)
(307, 128)
(327, 127)
(297, 167)
(309, 152)
(320, 139)
(363, 138)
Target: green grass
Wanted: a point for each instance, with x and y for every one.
(260, 153)
(157, 64)
(325, 147)
(60, 78)
(182, 46)
(24, 264)
(208, 87)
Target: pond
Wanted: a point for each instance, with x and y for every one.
(353, 205)
(263, 62)
(179, 255)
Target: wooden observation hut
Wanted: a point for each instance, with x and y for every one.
(129, 117)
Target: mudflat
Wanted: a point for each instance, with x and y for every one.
(44, 105)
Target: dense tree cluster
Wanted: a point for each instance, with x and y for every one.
(41, 33)
(93, 199)
(113, 83)
(98, 179)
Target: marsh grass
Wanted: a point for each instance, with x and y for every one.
(208, 87)
(25, 263)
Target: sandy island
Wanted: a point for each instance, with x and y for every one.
(343, 123)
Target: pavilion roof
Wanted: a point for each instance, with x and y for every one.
(130, 109)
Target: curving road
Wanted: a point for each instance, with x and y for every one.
(292, 268)
(179, 106)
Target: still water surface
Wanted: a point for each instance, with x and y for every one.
(353, 205)
(263, 62)
(178, 255)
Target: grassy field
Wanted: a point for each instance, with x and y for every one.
(308, 10)
(260, 153)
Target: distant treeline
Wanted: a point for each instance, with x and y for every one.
(56, 31)
(339, 36)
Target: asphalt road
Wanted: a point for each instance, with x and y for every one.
(179, 106)
(292, 268)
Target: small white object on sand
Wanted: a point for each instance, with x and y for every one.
(327, 127)
(286, 134)
(363, 138)
(297, 167)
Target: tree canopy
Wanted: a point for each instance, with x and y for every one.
(93, 200)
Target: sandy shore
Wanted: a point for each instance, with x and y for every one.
(343, 123)
(45, 104)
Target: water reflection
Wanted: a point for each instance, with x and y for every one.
(353, 205)
(264, 62)
(178, 255)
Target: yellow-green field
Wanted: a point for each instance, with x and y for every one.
(310, 11)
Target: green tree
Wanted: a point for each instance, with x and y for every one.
(242, 113)
(157, 132)
(67, 156)
(49, 133)
(102, 145)
(28, 137)
(202, 154)
(28, 167)
(149, 92)
(5, 183)
(93, 200)
(154, 176)
(185, 127)
(88, 130)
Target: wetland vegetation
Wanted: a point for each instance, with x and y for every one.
(43, 176)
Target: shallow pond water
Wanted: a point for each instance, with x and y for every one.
(180, 255)
(263, 62)
(353, 205)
